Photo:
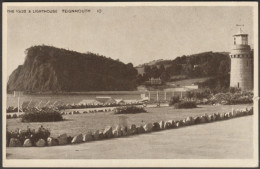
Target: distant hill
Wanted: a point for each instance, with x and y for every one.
(50, 69)
(206, 64)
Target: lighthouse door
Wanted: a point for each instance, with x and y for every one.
(238, 85)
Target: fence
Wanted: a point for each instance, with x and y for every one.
(163, 95)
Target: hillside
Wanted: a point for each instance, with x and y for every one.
(206, 64)
(50, 69)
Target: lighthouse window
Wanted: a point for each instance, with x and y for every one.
(234, 41)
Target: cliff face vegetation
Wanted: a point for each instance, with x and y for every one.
(50, 69)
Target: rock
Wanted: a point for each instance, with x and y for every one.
(203, 119)
(129, 132)
(233, 114)
(108, 132)
(52, 142)
(87, 137)
(173, 124)
(161, 123)
(40, 143)
(156, 126)
(117, 132)
(208, 118)
(222, 116)
(181, 123)
(27, 143)
(230, 114)
(62, 139)
(189, 121)
(124, 131)
(197, 120)
(251, 111)
(96, 135)
(177, 124)
(168, 124)
(14, 142)
(133, 129)
(148, 127)
(226, 115)
(101, 135)
(140, 130)
(214, 117)
(239, 113)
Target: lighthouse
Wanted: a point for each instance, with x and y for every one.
(241, 55)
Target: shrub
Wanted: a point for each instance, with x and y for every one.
(185, 104)
(129, 110)
(15, 116)
(174, 99)
(233, 98)
(42, 115)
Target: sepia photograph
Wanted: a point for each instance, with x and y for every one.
(130, 84)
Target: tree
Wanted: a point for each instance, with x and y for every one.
(161, 69)
(164, 76)
(155, 72)
(223, 67)
(147, 70)
(189, 95)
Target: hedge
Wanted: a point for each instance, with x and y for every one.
(42, 115)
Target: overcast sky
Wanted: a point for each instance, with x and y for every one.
(130, 34)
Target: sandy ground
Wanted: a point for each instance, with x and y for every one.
(231, 139)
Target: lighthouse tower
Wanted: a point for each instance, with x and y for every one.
(241, 73)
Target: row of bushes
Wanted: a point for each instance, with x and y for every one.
(42, 115)
(14, 116)
(85, 112)
(42, 136)
(129, 110)
(83, 106)
(182, 104)
(233, 96)
(185, 105)
(12, 109)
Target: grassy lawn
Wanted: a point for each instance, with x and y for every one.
(187, 82)
(82, 123)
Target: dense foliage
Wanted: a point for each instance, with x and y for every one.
(185, 105)
(50, 69)
(226, 96)
(206, 64)
(174, 99)
(233, 98)
(11, 109)
(129, 110)
(22, 135)
(41, 115)
(83, 106)
(217, 84)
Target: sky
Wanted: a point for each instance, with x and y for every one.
(130, 34)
